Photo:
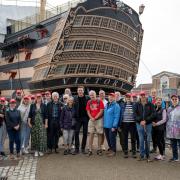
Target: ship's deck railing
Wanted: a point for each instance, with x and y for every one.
(18, 25)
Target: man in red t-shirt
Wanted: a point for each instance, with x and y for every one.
(95, 108)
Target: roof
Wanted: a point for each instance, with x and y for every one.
(165, 73)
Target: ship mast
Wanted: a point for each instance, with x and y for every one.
(42, 10)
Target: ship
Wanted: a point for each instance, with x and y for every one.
(96, 44)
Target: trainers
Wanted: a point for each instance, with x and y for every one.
(90, 153)
(41, 154)
(66, 152)
(36, 154)
(159, 157)
(149, 160)
(173, 160)
(26, 151)
(111, 154)
(99, 152)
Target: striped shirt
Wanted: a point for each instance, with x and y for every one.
(128, 113)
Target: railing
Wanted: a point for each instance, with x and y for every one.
(21, 24)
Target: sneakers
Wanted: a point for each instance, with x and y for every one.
(173, 160)
(149, 160)
(66, 152)
(99, 152)
(111, 154)
(41, 154)
(36, 154)
(159, 157)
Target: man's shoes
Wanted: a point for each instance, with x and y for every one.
(125, 155)
(66, 152)
(83, 151)
(134, 155)
(111, 154)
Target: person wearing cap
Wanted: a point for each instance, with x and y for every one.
(18, 97)
(111, 120)
(159, 127)
(38, 123)
(144, 115)
(33, 99)
(47, 97)
(13, 122)
(53, 117)
(24, 109)
(3, 131)
(134, 98)
(119, 99)
(95, 108)
(173, 127)
(129, 125)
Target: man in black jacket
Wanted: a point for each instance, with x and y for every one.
(82, 119)
(144, 115)
(53, 116)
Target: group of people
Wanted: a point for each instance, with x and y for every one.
(43, 118)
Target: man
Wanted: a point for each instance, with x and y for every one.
(95, 108)
(129, 125)
(120, 101)
(3, 131)
(144, 115)
(134, 98)
(33, 99)
(47, 97)
(102, 96)
(82, 119)
(18, 97)
(53, 116)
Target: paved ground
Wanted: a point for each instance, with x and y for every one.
(81, 167)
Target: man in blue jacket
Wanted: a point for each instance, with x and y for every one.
(111, 120)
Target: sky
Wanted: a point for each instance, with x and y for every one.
(161, 24)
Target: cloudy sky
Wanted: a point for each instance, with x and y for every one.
(161, 49)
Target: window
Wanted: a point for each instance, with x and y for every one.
(71, 69)
(123, 74)
(112, 24)
(130, 33)
(126, 53)
(87, 21)
(109, 71)
(99, 45)
(107, 46)
(114, 48)
(119, 26)
(102, 69)
(90, 44)
(78, 21)
(60, 69)
(116, 72)
(105, 22)
(79, 44)
(82, 68)
(121, 50)
(93, 68)
(96, 21)
(125, 29)
(69, 45)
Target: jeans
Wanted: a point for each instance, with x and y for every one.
(174, 144)
(141, 132)
(68, 136)
(129, 127)
(14, 137)
(3, 134)
(81, 122)
(111, 138)
(25, 135)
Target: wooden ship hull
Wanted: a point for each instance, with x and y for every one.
(94, 45)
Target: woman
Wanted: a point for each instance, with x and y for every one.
(24, 109)
(159, 127)
(67, 123)
(38, 125)
(13, 122)
(173, 126)
(3, 131)
(111, 121)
